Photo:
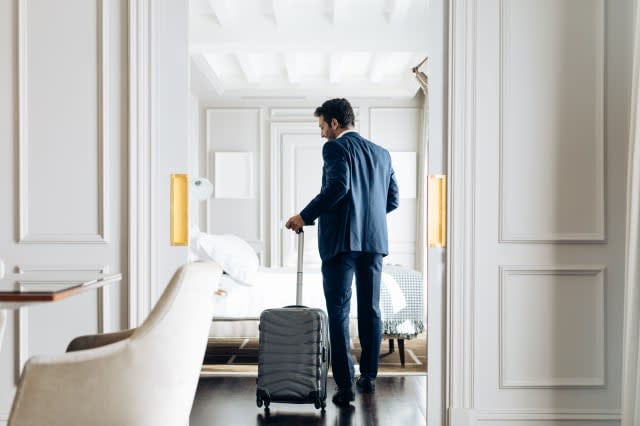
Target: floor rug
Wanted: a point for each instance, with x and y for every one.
(239, 357)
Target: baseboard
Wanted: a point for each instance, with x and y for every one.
(461, 417)
(476, 417)
(549, 415)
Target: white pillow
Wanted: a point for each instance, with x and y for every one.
(236, 257)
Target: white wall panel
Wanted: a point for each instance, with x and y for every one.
(552, 327)
(64, 134)
(234, 130)
(301, 177)
(291, 153)
(552, 120)
(61, 149)
(296, 164)
(539, 104)
(402, 233)
(396, 129)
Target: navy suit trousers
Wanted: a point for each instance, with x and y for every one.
(337, 276)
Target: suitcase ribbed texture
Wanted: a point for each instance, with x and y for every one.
(294, 352)
(293, 356)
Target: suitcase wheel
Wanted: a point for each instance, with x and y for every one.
(320, 404)
(260, 401)
(262, 397)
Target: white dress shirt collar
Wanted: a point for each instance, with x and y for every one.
(345, 132)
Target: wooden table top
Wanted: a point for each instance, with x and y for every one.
(49, 286)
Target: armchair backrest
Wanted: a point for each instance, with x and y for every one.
(149, 378)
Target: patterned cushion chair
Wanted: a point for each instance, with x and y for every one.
(406, 323)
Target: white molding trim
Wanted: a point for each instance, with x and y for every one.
(22, 317)
(262, 179)
(200, 62)
(277, 130)
(300, 114)
(208, 165)
(142, 254)
(292, 114)
(102, 78)
(599, 234)
(461, 189)
(469, 417)
(599, 380)
(548, 415)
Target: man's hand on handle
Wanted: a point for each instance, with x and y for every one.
(295, 223)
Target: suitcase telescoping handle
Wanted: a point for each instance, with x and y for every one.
(299, 273)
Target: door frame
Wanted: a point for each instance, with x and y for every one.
(141, 160)
(460, 315)
(446, 306)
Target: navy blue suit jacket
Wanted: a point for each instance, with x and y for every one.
(358, 189)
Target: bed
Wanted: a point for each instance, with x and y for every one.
(246, 289)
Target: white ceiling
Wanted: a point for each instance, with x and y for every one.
(307, 48)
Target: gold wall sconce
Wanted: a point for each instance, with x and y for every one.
(437, 211)
(179, 210)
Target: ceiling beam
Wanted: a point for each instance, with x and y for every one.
(291, 65)
(268, 37)
(201, 64)
(376, 71)
(274, 8)
(335, 67)
(320, 94)
(397, 10)
(248, 66)
(222, 10)
(338, 12)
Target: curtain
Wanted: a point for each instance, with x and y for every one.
(631, 343)
(423, 151)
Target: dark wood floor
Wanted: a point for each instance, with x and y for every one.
(227, 401)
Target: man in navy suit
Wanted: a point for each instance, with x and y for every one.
(358, 189)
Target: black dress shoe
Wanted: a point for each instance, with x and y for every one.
(343, 397)
(366, 385)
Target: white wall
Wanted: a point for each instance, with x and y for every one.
(438, 24)
(63, 167)
(540, 107)
(170, 132)
(249, 126)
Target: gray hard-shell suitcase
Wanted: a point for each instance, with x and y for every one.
(294, 352)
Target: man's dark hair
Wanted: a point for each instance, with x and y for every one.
(340, 109)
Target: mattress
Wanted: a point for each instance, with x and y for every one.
(273, 288)
(237, 306)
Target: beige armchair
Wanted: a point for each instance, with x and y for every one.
(145, 376)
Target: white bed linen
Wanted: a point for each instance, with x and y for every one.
(275, 288)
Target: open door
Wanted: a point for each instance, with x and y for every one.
(538, 165)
